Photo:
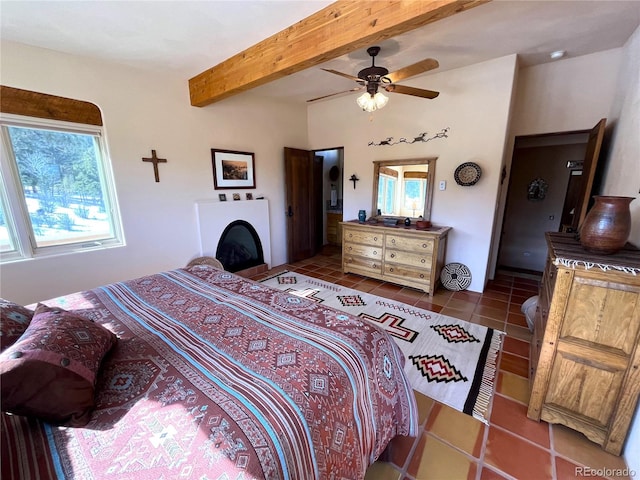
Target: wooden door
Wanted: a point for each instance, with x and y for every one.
(303, 183)
(589, 171)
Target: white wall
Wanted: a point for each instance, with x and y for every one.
(474, 103)
(144, 110)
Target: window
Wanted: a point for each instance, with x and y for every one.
(386, 194)
(58, 194)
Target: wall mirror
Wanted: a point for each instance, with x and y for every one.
(403, 188)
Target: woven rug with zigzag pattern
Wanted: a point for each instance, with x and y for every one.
(449, 360)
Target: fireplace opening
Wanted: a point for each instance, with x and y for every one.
(239, 247)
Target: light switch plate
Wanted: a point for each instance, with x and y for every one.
(443, 184)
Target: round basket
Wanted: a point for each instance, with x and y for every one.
(214, 262)
(455, 277)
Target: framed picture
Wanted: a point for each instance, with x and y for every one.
(249, 196)
(236, 196)
(233, 169)
(222, 197)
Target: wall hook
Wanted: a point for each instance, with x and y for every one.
(354, 179)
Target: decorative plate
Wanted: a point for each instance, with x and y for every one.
(467, 174)
(455, 277)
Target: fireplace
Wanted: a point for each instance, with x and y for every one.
(242, 221)
(239, 247)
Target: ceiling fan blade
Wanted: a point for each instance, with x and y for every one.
(416, 92)
(345, 75)
(412, 70)
(355, 89)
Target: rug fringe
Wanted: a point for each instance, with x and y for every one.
(488, 384)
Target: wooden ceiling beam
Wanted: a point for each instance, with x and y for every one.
(340, 28)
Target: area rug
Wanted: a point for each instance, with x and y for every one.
(447, 359)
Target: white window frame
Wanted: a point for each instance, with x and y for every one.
(14, 203)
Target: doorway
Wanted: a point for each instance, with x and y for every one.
(308, 181)
(550, 186)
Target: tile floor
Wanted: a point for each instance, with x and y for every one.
(453, 445)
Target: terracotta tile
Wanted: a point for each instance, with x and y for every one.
(488, 474)
(455, 428)
(424, 404)
(512, 416)
(517, 319)
(514, 364)
(513, 386)
(516, 346)
(487, 322)
(519, 299)
(494, 303)
(496, 295)
(435, 460)
(520, 333)
(524, 291)
(346, 283)
(567, 469)
(517, 457)
(440, 298)
(498, 288)
(471, 297)
(382, 471)
(461, 304)
(575, 446)
(425, 305)
(491, 312)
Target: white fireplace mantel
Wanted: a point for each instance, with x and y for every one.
(213, 216)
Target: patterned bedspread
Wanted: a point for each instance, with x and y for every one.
(217, 376)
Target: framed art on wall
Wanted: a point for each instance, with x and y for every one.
(233, 169)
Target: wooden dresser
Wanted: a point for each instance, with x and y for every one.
(585, 354)
(403, 255)
(334, 229)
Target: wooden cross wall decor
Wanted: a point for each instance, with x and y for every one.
(155, 160)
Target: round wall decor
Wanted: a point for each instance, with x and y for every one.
(455, 277)
(467, 174)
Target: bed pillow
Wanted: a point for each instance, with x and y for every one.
(14, 320)
(50, 372)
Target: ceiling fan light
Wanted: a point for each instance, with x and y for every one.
(365, 102)
(380, 99)
(370, 103)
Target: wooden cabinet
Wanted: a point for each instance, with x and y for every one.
(402, 255)
(585, 354)
(334, 229)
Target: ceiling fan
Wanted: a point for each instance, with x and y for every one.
(374, 77)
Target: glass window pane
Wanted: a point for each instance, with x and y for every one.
(62, 181)
(6, 243)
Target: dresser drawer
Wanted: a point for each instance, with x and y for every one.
(407, 272)
(354, 263)
(367, 238)
(374, 253)
(417, 261)
(421, 245)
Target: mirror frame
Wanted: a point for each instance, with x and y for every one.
(431, 171)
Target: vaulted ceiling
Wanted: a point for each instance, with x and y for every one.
(186, 38)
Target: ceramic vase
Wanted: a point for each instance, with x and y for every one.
(607, 226)
(362, 216)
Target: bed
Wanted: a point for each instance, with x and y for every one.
(198, 373)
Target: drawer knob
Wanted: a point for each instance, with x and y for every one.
(374, 265)
(424, 245)
(422, 275)
(375, 238)
(375, 252)
(393, 240)
(393, 255)
(423, 261)
(391, 269)
(350, 248)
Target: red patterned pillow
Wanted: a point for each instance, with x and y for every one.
(50, 372)
(14, 320)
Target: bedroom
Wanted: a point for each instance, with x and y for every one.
(145, 110)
